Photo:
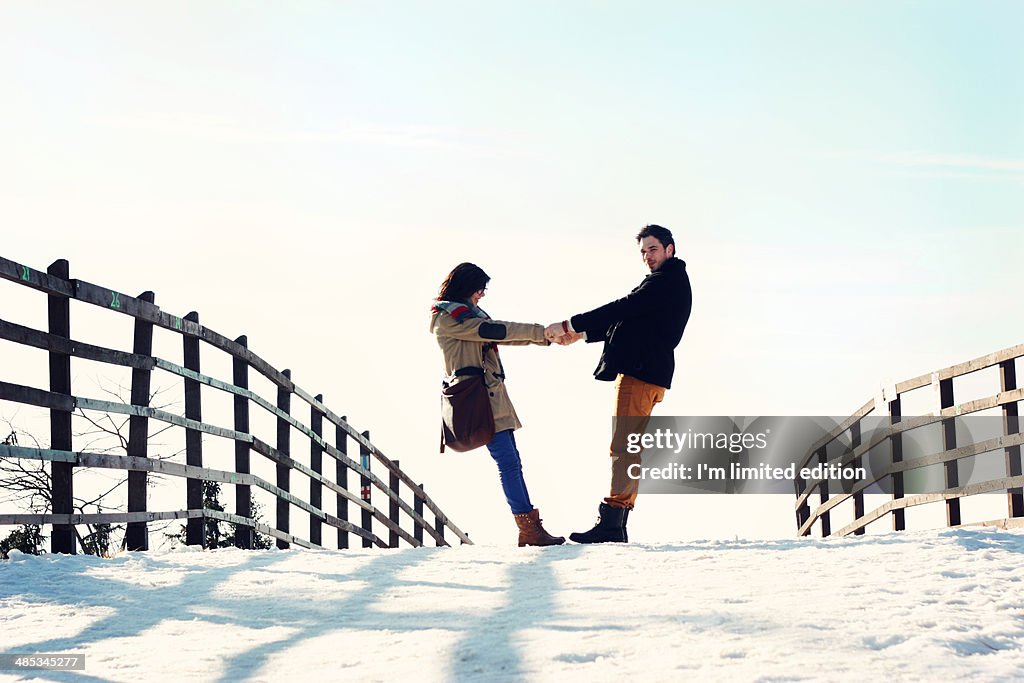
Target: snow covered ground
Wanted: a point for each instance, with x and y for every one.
(912, 606)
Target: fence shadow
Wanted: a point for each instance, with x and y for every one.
(357, 594)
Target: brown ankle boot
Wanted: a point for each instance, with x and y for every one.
(531, 532)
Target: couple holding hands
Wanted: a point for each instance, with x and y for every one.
(640, 332)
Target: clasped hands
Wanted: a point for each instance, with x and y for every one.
(558, 333)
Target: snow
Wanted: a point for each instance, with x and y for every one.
(906, 606)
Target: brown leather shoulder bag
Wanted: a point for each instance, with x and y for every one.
(467, 421)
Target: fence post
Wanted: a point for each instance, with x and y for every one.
(417, 506)
(195, 527)
(284, 401)
(316, 463)
(1011, 425)
(341, 469)
(858, 498)
(899, 516)
(364, 489)
(948, 444)
(243, 500)
(826, 520)
(439, 529)
(393, 484)
(61, 488)
(137, 535)
(803, 513)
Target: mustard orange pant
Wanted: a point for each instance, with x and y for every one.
(634, 401)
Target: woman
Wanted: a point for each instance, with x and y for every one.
(469, 338)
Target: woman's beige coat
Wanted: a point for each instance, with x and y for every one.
(462, 346)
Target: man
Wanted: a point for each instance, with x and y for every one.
(640, 333)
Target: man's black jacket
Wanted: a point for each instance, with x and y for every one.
(641, 330)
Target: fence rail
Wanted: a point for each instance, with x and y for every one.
(1006, 400)
(61, 403)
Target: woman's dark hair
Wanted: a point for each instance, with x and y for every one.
(462, 282)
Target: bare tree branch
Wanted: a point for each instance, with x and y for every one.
(29, 482)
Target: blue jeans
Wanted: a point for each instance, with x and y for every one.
(503, 449)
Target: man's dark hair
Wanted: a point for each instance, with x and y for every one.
(462, 282)
(663, 235)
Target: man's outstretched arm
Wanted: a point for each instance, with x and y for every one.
(646, 299)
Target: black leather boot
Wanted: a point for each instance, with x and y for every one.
(610, 527)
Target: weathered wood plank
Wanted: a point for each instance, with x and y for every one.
(393, 508)
(960, 369)
(194, 533)
(341, 472)
(137, 533)
(7, 451)
(802, 511)
(924, 461)
(346, 527)
(62, 538)
(262, 528)
(137, 307)
(161, 415)
(841, 429)
(98, 517)
(364, 487)
(899, 521)
(394, 529)
(277, 457)
(316, 463)
(439, 524)
(183, 471)
(858, 496)
(417, 523)
(1003, 524)
(1011, 425)
(48, 282)
(951, 467)
(907, 424)
(232, 389)
(977, 405)
(165, 467)
(924, 498)
(284, 446)
(28, 336)
(18, 393)
(243, 502)
(823, 507)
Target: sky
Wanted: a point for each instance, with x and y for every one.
(843, 179)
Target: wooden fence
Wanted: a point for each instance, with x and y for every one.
(950, 457)
(61, 402)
